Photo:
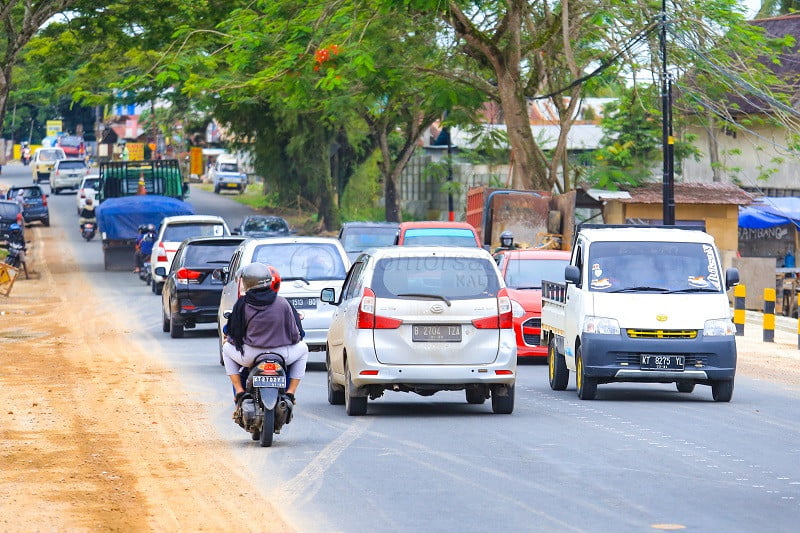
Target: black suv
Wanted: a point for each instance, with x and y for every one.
(9, 212)
(34, 202)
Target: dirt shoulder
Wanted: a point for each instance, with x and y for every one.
(89, 437)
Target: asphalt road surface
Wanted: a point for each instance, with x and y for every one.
(640, 457)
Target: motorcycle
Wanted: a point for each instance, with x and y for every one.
(144, 272)
(16, 256)
(88, 231)
(264, 408)
(26, 157)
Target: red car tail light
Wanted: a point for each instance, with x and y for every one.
(185, 275)
(44, 200)
(367, 319)
(162, 253)
(503, 319)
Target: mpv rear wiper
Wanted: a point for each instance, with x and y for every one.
(300, 278)
(427, 296)
(642, 289)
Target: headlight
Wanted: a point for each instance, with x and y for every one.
(517, 311)
(600, 325)
(718, 327)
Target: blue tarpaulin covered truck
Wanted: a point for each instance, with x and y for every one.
(119, 219)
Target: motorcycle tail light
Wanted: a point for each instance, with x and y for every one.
(269, 368)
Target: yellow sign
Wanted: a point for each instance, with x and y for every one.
(54, 127)
(196, 161)
(7, 276)
(135, 151)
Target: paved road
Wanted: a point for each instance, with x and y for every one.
(640, 457)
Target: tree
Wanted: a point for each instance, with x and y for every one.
(21, 20)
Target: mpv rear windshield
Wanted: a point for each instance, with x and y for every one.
(63, 165)
(456, 278)
(91, 184)
(9, 210)
(439, 237)
(309, 261)
(212, 255)
(179, 232)
(356, 240)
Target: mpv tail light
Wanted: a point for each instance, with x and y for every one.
(367, 319)
(503, 319)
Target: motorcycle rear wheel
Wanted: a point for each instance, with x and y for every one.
(267, 429)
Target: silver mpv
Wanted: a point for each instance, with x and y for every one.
(422, 320)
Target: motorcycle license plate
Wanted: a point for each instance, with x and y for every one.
(272, 382)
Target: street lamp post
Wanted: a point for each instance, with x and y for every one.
(668, 141)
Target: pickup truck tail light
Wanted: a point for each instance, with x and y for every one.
(367, 319)
(503, 319)
(162, 253)
(185, 275)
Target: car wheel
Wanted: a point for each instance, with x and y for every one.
(353, 405)
(175, 328)
(221, 360)
(216, 189)
(158, 287)
(152, 286)
(267, 429)
(164, 321)
(685, 386)
(475, 395)
(503, 399)
(586, 386)
(46, 221)
(722, 391)
(335, 391)
(557, 367)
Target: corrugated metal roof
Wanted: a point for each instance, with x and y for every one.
(690, 193)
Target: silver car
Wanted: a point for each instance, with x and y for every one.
(306, 265)
(67, 174)
(423, 320)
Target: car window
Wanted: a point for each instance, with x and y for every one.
(32, 192)
(9, 210)
(50, 155)
(91, 183)
(64, 164)
(209, 255)
(266, 224)
(354, 281)
(439, 237)
(179, 232)
(177, 261)
(309, 261)
(357, 240)
(456, 278)
(228, 167)
(529, 273)
(68, 140)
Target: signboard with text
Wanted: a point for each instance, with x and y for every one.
(54, 127)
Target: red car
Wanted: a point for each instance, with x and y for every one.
(523, 272)
(437, 233)
(72, 145)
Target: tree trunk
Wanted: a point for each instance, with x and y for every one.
(390, 181)
(713, 149)
(5, 88)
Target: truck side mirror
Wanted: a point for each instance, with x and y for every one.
(731, 277)
(572, 274)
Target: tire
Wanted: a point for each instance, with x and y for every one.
(335, 392)
(158, 287)
(46, 222)
(221, 361)
(558, 373)
(216, 189)
(475, 396)
(353, 405)
(722, 391)
(503, 405)
(685, 386)
(152, 286)
(267, 429)
(164, 321)
(175, 329)
(586, 386)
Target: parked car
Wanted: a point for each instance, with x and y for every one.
(10, 213)
(34, 203)
(358, 236)
(306, 265)
(67, 174)
(437, 233)
(191, 293)
(523, 272)
(72, 145)
(225, 174)
(44, 159)
(172, 231)
(87, 189)
(263, 226)
(423, 320)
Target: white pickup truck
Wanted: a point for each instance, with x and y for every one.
(641, 304)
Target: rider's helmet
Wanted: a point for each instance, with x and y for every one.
(89, 201)
(15, 229)
(151, 228)
(506, 239)
(259, 276)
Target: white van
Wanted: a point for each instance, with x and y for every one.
(43, 161)
(225, 174)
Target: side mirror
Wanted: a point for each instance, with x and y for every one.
(731, 277)
(160, 271)
(328, 295)
(572, 274)
(236, 231)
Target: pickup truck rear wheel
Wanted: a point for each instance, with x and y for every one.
(722, 391)
(685, 386)
(586, 386)
(557, 367)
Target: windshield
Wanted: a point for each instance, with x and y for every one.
(439, 237)
(65, 164)
(9, 210)
(455, 278)
(271, 225)
(228, 167)
(653, 266)
(302, 260)
(357, 240)
(67, 140)
(179, 232)
(211, 255)
(91, 183)
(529, 273)
(51, 155)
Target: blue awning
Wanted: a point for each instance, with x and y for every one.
(770, 211)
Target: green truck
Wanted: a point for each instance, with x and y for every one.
(156, 176)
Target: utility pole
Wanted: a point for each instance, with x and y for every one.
(667, 140)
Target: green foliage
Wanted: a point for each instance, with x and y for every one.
(363, 191)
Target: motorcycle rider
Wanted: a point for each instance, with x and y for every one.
(87, 213)
(26, 154)
(506, 242)
(261, 321)
(16, 236)
(144, 245)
